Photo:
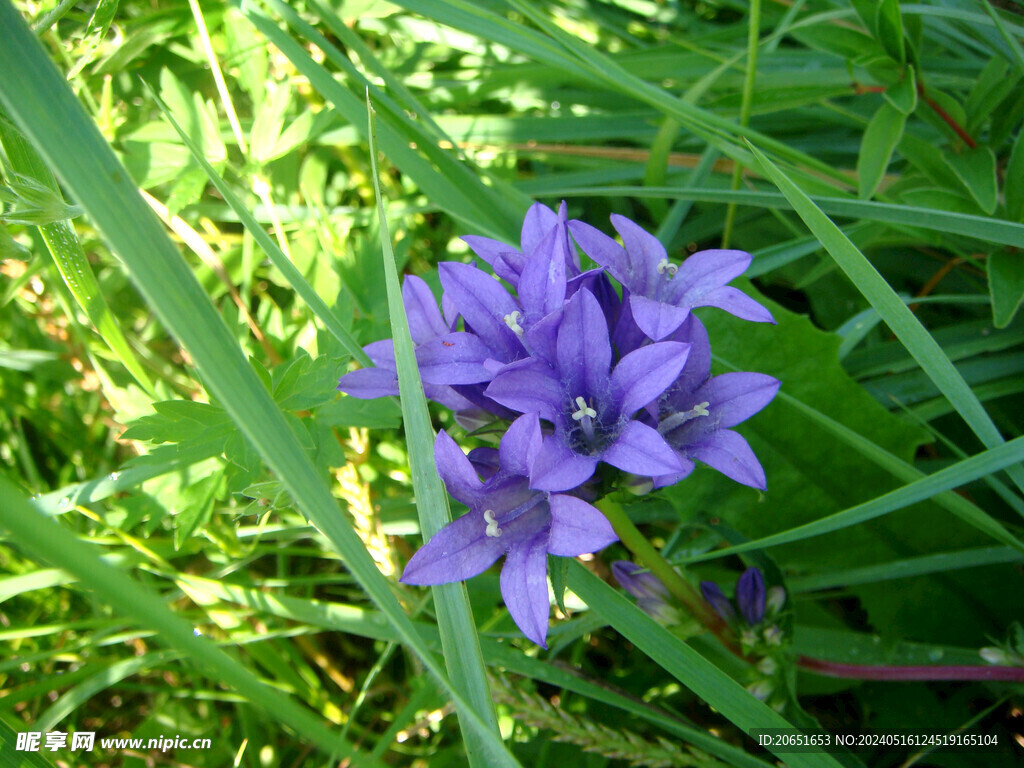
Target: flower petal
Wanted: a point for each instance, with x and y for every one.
(577, 528)
(705, 271)
(455, 469)
(641, 450)
(520, 445)
(645, 253)
(460, 550)
(656, 318)
(558, 468)
(425, 321)
(698, 363)
(454, 358)
(542, 284)
(528, 386)
(584, 351)
(663, 481)
(735, 302)
(483, 303)
(524, 587)
(643, 374)
(602, 249)
(730, 454)
(369, 383)
(735, 397)
(537, 223)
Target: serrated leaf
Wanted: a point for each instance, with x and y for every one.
(267, 125)
(889, 28)
(197, 506)
(1005, 285)
(976, 170)
(903, 95)
(880, 139)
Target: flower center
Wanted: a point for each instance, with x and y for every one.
(512, 321)
(584, 412)
(666, 266)
(680, 418)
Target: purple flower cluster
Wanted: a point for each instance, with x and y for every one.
(587, 374)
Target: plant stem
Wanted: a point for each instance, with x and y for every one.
(914, 672)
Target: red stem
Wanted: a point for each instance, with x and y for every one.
(920, 672)
(963, 134)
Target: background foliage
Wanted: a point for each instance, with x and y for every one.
(169, 399)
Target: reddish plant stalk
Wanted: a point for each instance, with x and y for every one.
(913, 672)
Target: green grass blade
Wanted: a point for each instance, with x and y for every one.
(980, 227)
(991, 460)
(908, 329)
(47, 541)
(941, 562)
(459, 638)
(685, 664)
(48, 113)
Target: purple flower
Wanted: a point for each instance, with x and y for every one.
(507, 516)
(697, 411)
(569, 383)
(539, 223)
(661, 294)
(750, 598)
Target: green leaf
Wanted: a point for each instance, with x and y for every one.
(1005, 285)
(903, 95)
(889, 28)
(197, 501)
(880, 139)
(976, 170)
(558, 570)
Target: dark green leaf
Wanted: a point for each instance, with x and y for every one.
(1005, 285)
(880, 139)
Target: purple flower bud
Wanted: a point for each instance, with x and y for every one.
(714, 595)
(750, 596)
(651, 595)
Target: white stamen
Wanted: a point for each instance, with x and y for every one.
(584, 410)
(681, 417)
(493, 531)
(666, 266)
(512, 321)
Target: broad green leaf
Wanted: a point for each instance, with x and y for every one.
(976, 170)
(880, 139)
(903, 95)
(1005, 285)
(889, 28)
